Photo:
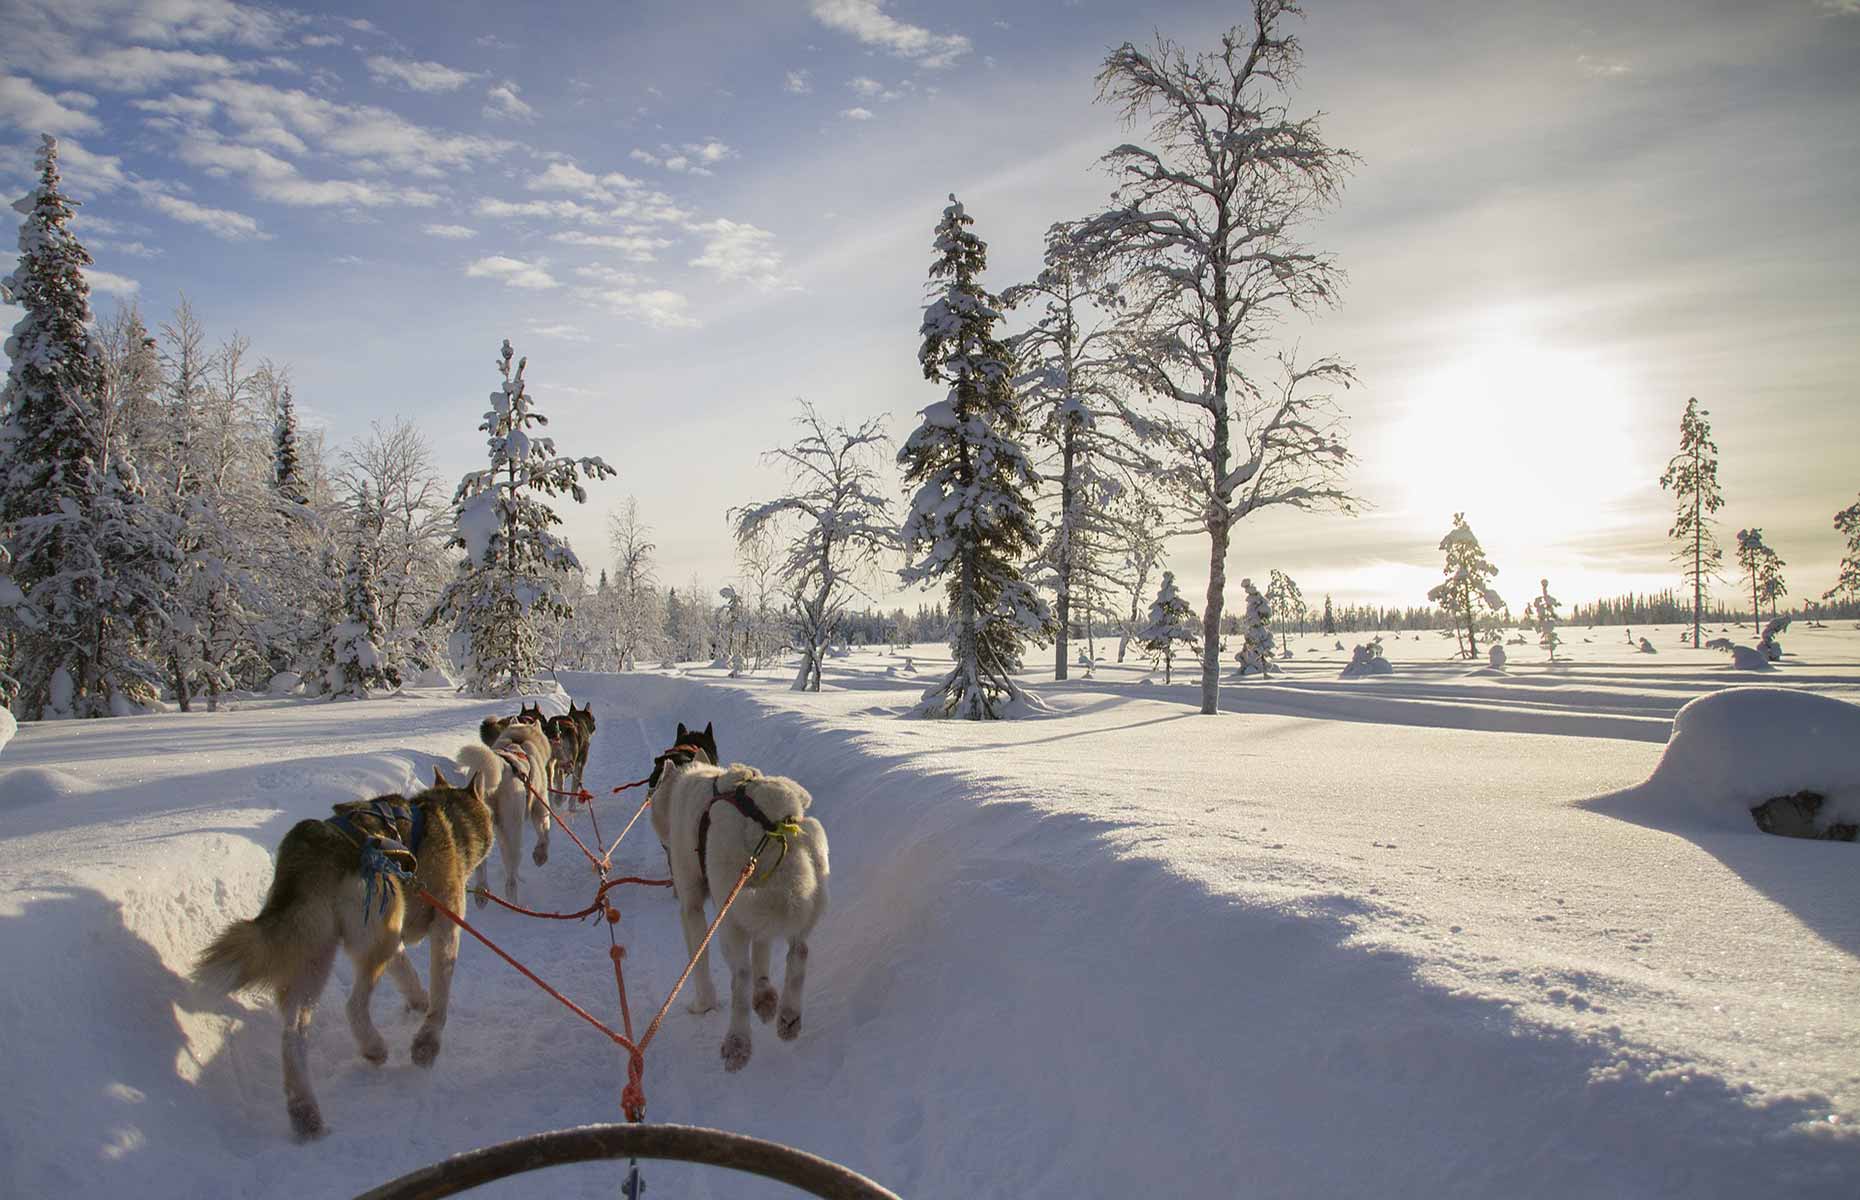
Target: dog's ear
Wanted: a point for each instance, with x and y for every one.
(707, 732)
(477, 784)
(439, 780)
(682, 732)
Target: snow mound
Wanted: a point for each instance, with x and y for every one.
(8, 727)
(1646, 647)
(22, 786)
(1749, 658)
(285, 683)
(1735, 749)
(432, 677)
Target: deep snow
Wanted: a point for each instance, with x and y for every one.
(1369, 937)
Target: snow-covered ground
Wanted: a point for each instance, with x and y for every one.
(1396, 937)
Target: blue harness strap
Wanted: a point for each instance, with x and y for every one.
(388, 833)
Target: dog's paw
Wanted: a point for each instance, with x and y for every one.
(765, 1002)
(540, 854)
(479, 900)
(416, 1004)
(735, 1052)
(425, 1047)
(375, 1052)
(699, 1005)
(789, 1027)
(306, 1121)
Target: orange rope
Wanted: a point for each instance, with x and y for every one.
(644, 805)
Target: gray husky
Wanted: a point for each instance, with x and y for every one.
(329, 891)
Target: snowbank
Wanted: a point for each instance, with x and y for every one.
(1734, 749)
(1749, 658)
(8, 727)
(286, 683)
(432, 677)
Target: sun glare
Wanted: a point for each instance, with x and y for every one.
(1531, 443)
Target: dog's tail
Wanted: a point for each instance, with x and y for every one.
(264, 951)
(480, 761)
(490, 727)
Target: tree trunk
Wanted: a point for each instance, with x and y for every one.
(1211, 620)
(1066, 530)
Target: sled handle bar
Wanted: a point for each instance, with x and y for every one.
(592, 1143)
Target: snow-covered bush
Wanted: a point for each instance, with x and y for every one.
(1256, 647)
(1495, 656)
(1367, 659)
(1541, 613)
(1172, 623)
(1772, 649)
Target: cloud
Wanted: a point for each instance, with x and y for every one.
(564, 176)
(418, 75)
(275, 179)
(503, 103)
(799, 83)
(660, 308)
(512, 272)
(634, 247)
(138, 68)
(111, 283)
(317, 40)
(865, 86)
(455, 232)
(220, 222)
(1606, 68)
(132, 249)
(194, 107)
(856, 114)
(737, 251)
(693, 158)
(25, 107)
(867, 21)
(561, 210)
(290, 120)
(560, 330)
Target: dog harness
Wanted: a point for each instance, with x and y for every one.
(388, 832)
(772, 831)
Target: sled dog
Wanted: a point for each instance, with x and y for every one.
(326, 893)
(570, 736)
(523, 748)
(714, 819)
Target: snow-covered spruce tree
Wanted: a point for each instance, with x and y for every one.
(1541, 614)
(1065, 371)
(1172, 621)
(1468, 583)
(1205, 227)
(286, 475)
(358, 663)
(1847, 582)
(838, 523)
(131, 379)
(87, 554)
(1692, 477)
(1285, 600)
(1330, 621)
(972, 517)
(1762, 569)
(1256, 645)
(511, 574)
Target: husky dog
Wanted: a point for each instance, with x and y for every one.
(569, 738)
(685, 747)
(715, 818)
(322, 897)
(524, 750)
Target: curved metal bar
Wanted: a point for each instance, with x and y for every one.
(592, 1143)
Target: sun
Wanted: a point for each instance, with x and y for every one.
(1531, 442)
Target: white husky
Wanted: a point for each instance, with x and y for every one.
(710, 820)
(525, 748)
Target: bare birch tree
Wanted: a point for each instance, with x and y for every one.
(1206, 222)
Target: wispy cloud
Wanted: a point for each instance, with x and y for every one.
(25, 107)
(562, 176)
(693, 158)
(512, 272)
(504, 103)
(111, 283)
(419, 75)
(737, 251)
(856, 114)
(559, 330)
(799, 83)
(292, 120)
(220, 222)
(867, 21)
(454, 232)
(634, 247)
(275, 179)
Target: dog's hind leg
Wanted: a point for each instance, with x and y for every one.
(539, 820)
(793, 980)
(509, 845)
(297, 1003)
(736, 1045)
(703, 991)
(400, 969)
(372, 945)
(445, 942)
(764, 1002)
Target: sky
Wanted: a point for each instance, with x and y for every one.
(1567, 219)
